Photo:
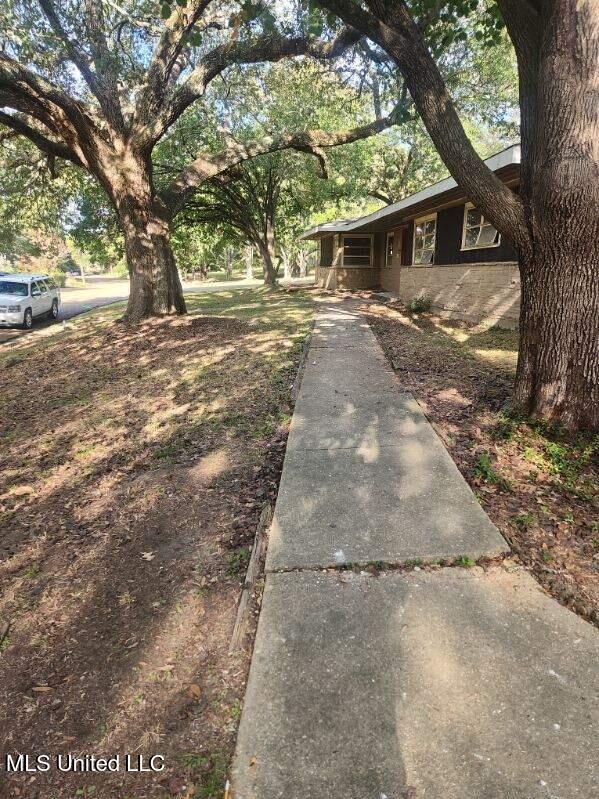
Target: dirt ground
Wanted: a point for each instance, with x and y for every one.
(537, 483)
(136, 464)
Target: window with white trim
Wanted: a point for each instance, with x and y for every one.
(357, 250)
(425, 233)
(390, 249)
(478, 232)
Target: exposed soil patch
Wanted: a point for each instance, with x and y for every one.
(538, 484)
(139, 462)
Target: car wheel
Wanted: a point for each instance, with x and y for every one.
(27, 319)
(54, 310)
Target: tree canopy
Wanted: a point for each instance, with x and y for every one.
(256, 101)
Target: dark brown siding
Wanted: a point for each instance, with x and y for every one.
(407, 245)
(378, 254)
(326, 250)
(448, 248)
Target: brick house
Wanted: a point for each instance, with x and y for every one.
(433, 243)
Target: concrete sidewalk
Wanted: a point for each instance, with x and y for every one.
(451, 684)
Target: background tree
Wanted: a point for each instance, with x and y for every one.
(34, 208)
(30, 199)
(279, 195)
(266, 203)
(554, 220)
(248, 203)
(269, 200)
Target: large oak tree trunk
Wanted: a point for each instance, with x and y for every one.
(155, 287)
(558, 366)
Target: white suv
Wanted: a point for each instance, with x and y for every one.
(24, 297)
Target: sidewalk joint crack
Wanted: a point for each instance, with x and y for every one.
(377, 567)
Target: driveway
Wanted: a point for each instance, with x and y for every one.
(101, 290)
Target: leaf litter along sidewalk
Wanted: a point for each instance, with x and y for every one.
(140, 460)
(538, 484)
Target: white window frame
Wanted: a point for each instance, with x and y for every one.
(426, 218)
(368, 236)
(389, 261)
(469, 207)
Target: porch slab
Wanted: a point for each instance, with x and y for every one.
(456, 683)
(374, 503)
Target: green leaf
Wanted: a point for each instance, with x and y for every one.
(269, 20)
(315, 23)
(250, 10)
(165, 11)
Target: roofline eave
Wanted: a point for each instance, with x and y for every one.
(510, 156)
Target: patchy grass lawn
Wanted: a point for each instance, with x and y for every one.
(220, 275)
(537, 483)
(137, 462)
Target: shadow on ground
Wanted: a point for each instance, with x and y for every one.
(139, 461)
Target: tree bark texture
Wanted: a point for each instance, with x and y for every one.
(155, 284)
(267, 254)
(558, 365)
(266, 246)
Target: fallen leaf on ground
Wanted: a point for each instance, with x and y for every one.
(194, 691)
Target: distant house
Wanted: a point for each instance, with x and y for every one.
(433, 243)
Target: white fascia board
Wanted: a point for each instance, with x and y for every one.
(328, 227)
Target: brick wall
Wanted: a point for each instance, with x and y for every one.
(346, 278)
(391, 276)
(325, 277)
(488, 292)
